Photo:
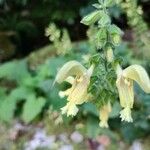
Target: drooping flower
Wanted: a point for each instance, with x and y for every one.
(104, 115)
(125, 87)
(79, 77)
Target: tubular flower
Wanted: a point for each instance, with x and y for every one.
(79, 77)
(104, 115)
(125, 87)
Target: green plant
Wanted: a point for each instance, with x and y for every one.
(98, 83)
(31, 89)
(134, 14)
(61, 40)
(28, 21)
(27, 92)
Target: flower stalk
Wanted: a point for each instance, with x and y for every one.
(105, 78)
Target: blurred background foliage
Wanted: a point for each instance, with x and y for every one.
(29, 63)
(22, 22)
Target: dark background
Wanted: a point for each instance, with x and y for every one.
(23, 22)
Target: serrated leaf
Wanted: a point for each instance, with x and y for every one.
(101, 38)
(104, 20)
(32, 108)
(91, 18)
(101, 34)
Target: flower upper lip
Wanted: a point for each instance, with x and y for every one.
(69, 69)
(138, 74)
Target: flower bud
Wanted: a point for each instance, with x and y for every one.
(109, 54)
(116, 39)
(91, 18)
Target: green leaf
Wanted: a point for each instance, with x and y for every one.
(101, 34)
(43, 70)
(46, 85)
(7, 108)
(92, 127)
(32, 108)
(20, 93)
(130, 132)
(101, 38)
(105, 19)
(97, 5)
(54, 64)
(108, 3)
(113, 29)
(11, 70)
(115, 110)
(55, 100)
(2, 93)
(91, 18)
(30, 81)
(91, 108)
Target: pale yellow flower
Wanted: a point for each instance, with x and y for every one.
(79, 77)
(104, 115)
(125, 87)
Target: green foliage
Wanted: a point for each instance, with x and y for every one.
(105, 36)
(60, 39)
(134, 14)
(91, 18)
(31, 92)
(11, 70)
(7, 109)
(32, 107)
(27, 85)
(92, 127)
(36, 84)
(27, 20)
(33, 89)
(103, 82)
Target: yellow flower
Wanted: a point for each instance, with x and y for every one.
(79, 77)
(125, 87)
(104, 115)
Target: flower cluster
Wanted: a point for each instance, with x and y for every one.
(108, 36)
